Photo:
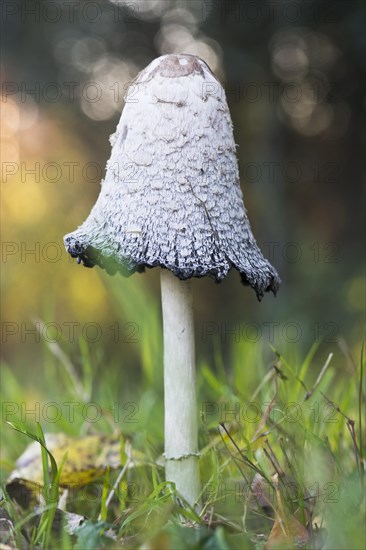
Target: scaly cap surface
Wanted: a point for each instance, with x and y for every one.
(171, 196)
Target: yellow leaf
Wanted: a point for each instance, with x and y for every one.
(87, 459)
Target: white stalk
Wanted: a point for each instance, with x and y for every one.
(181, 453)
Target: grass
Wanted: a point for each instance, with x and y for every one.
(280, 437)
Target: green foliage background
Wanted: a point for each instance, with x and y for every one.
(72, 334)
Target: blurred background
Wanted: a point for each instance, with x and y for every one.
(293, 74)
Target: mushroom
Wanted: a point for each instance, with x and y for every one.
(171, 198)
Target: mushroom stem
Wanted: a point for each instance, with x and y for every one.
(181, 452)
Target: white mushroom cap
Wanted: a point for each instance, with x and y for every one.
(171, 196)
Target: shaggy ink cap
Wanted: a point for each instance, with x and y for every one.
(171, 196)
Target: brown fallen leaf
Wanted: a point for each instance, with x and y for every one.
(287, 532)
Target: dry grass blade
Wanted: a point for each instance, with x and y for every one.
(320, 376)
(244, 458)
(264, 419)
(128, 450)
(351, 428)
